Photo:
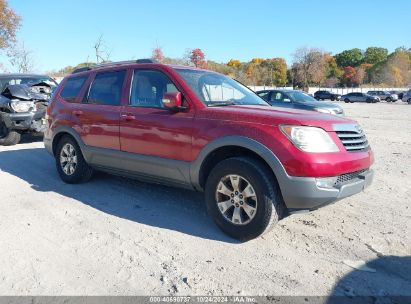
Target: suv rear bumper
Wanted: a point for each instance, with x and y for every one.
(303, 193)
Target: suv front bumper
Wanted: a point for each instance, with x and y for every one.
(27, 121)
(303, 193)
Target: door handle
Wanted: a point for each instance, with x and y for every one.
(77, 112)
(128, 117)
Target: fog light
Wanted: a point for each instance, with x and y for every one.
(326, 182)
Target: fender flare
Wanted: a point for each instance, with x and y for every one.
(245, 142)
(66, 129)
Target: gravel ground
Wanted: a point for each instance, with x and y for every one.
(114, 236)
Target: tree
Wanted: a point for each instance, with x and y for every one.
(352, 58)
(348, 76)
(332, 70)
(309, 66)
(158, 55)
(375, 55)
(101, 50)
(276, 71)
(20, 58)
(234, 63)
(197, 58)
(9, 23)
(397, 70)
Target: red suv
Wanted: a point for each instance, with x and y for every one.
(202, 130)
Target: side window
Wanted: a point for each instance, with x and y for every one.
(263, 95)
(106, 88)
(148, 88)
(72, 88)
(279, 97)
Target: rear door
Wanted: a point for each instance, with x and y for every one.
(97, 117)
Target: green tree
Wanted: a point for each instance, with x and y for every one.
(375, 55)
(353, 58)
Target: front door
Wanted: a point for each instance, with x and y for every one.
(279, 99)
(151, 132)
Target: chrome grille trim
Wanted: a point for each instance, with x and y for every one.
(352, 137)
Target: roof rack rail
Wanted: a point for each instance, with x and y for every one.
(79, 70)
(108, 64)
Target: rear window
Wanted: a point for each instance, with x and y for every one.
(106, 88)
(72, 88)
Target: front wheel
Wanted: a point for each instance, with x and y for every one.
(409, 101)
(242, 198)
(346, 100)
(70, 162)
(8, 137)
(388, 99)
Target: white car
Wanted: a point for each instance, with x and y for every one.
(407, 97)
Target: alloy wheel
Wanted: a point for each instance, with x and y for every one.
(68, 159)
(236, 199)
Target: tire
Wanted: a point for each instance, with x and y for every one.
(8, 137)
(369, 101)
(347, 100)
(409, 101)
(266, 198)
(388, 99)
(332, 98)
(81, 172)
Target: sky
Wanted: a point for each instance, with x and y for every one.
(61, 33)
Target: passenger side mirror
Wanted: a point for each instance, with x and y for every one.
(173, 101)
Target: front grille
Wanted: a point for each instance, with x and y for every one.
(353, 140)
(342, 179)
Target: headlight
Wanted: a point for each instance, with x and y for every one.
(22, 106)
(321, 110)
(310, 139)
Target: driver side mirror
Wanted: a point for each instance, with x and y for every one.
(173, 101)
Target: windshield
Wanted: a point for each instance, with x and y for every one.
(5, 81)
(301, 97)
(218, 90)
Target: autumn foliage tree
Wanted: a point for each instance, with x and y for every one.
(9, 23)
(197, 58)
(157, 54)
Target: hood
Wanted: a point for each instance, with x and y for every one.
(22, 92)
(320, 104)
(272, 116)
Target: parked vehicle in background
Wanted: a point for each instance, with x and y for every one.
(326, 95)
(384, 95)
(407, 97)
(359, 97)
(299, 100)
(204, 131)
(400, 94)
(23, 102)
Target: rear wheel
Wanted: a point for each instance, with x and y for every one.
(242, 198)
(8, 137)
(70, 162)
